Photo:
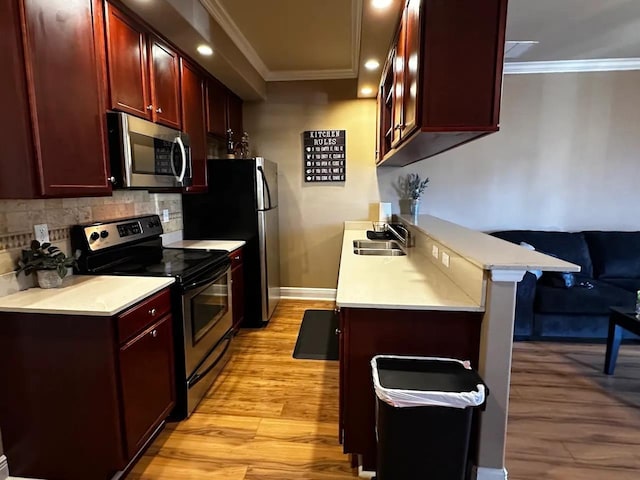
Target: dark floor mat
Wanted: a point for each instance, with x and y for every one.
(317, 339)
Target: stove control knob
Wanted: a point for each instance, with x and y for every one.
(94, 236)
(152, 224)
(104, 234)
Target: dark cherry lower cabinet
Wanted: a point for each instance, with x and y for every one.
(365, 333)
(237, 287)
(52, 87)
(82, 395)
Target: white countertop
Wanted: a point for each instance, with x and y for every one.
(407, 282)
(85, 295)
(228, 245)
(486, 251)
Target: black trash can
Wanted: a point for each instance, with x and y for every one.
(424, 410)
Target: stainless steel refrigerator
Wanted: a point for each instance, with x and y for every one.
(242, 204)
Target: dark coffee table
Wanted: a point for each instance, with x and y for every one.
(619, 319)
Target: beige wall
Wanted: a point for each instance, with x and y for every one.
(567, 157)
(312, 215)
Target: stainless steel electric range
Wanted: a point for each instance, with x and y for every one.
(201, 295)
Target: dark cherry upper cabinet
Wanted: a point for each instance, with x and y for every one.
(450, 55)
(224, 111)
(144, 72)
(194, 123)
(127, 58)
(216, 108)
(165, 84)
(234, 116)
(54, 139)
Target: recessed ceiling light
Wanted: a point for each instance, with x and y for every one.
(205, 50)
(366, 91)
(380, 3)
(371, 64)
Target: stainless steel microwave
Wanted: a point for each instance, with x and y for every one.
(147, 155)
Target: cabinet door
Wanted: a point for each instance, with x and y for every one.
(411, 67)
(398, 84)
(165, 84)
(128, 67)
(237, 295)
(147, 382)
(194, 116)
(216, 109)
(234, 116)
(68, 108)
(17, 179)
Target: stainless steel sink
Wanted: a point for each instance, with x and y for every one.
(388, 248)
(377, 244)
(382, 252)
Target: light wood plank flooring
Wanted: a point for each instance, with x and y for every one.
(272, 417)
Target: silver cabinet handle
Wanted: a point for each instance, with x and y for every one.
(149, 107)
(152, 312)
(154, 333)
(112, 180)
(338, 331)
(159, 110)
(237, 257)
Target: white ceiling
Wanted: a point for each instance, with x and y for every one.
(269, 40)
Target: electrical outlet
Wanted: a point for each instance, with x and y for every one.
(445, 259)
(434, 251)
(165, 215)
(41, 232)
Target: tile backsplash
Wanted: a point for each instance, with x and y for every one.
(17, 218)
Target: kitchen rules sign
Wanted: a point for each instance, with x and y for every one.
(324, 155)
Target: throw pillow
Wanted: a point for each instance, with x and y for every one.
(528, 246)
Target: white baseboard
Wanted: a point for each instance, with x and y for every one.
(298, 293)
(484, 473)
(4, 468)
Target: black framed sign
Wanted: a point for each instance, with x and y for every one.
(324, 155)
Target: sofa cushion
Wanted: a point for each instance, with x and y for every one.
(582, 299)
(614, 254)
(631, 284)
(571, 247)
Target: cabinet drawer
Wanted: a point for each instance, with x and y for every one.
(137, 318)
(236, 258)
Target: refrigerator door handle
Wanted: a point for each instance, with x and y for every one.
(266, 186)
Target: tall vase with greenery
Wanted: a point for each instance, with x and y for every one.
(414, 187)
(48, 261)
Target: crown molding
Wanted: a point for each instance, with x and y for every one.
(293, 75)
(222, 17)
(573, 66)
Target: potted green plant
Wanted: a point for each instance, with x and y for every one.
(48, 261)
(411, 189)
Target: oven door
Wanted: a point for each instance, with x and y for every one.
(207, 316)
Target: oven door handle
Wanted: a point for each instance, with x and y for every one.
(199, 376)
(200, 283)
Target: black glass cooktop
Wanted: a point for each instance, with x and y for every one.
(166, 262)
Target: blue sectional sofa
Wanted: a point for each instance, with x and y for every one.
(576, 306)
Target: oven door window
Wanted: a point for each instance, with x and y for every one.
(154, 156)
(208, 308)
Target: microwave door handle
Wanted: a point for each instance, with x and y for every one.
(183, 152)
(173, 168)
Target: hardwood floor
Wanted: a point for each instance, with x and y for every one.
(272, 417)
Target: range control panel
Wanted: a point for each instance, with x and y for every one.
(109, 234)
